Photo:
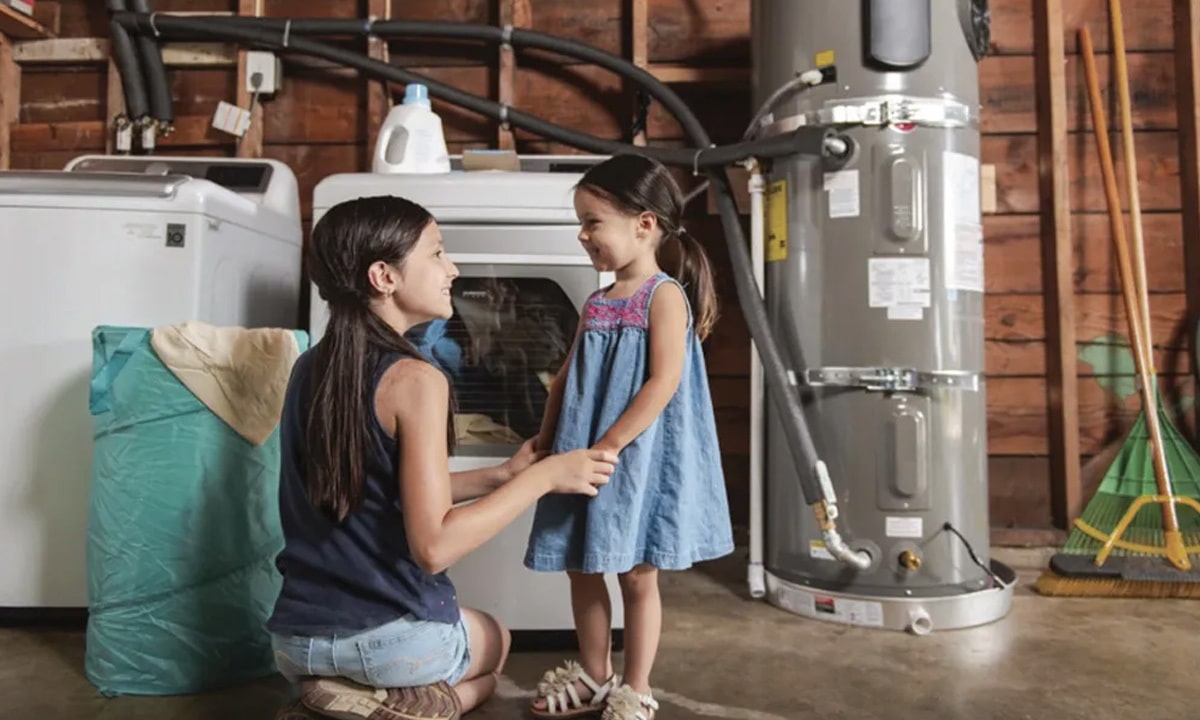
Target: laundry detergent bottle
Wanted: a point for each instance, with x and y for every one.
(411, 139)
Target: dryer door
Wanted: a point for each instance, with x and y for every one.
(516, 309)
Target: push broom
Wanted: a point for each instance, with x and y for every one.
(1130, 541)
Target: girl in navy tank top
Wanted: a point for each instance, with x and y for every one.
(366, 622)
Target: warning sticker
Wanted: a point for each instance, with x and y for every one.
(775, 208)
(963, 223)
(818, 551)
(842, 187)
(898, 283)
(905, 527)
(852, 612)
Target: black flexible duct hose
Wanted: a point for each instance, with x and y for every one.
(155, 72)
(128, 68)
(287, 36)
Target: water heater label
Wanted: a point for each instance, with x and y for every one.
(905, 527)
(963, 223)
(899, 284)
(842, 187)
(776, 209)
(818, 551)
(851, 612)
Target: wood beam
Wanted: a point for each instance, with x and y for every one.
(16, 25)
(85, 51)
(1062, 385)
(518, 14)
(1187, 94)
(10, 99)
(251, 144)
(639, 18)
(671, 73)
(379, 94)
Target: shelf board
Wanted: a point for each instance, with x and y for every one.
(19, 26)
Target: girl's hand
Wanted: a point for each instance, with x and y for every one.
(579, 472)
(527, 455)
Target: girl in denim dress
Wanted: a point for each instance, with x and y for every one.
(635, 383)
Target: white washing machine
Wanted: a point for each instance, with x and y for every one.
(140, 241)
(523, 282)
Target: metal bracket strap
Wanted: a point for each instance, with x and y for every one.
(882, 379)
(888, 110)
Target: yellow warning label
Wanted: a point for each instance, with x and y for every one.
(776, 225)
(824, 58)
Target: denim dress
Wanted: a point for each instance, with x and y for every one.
(666, 504)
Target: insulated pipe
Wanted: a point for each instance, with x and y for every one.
(813, 143)
(128, 67)
(158, 84)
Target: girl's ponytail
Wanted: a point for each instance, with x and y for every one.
(694, 271)
(349, 239)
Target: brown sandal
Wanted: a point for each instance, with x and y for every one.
(295, 710)
(345, 700)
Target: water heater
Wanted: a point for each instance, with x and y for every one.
(874, 282)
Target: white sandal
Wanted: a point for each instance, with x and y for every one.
(625, 703)
(557, 688)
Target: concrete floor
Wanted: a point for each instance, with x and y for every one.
(724, 656)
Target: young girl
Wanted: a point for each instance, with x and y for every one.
(366, 621)
(635, 384)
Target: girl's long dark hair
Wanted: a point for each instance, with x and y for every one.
(346, 242)
(635, 184)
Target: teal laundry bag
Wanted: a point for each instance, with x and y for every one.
(183, 530)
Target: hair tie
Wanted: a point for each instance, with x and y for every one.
(682, 232)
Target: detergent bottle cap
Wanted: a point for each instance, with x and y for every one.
(416, 94)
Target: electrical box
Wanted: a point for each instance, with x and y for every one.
(263, 72)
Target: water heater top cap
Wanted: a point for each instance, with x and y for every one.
(416, 94)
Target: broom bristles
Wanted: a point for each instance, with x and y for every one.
(1052, 584)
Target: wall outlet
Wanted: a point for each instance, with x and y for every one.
(268, 67)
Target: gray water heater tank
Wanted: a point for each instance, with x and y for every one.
(874, 284)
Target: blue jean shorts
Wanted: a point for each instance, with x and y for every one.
(403, 653)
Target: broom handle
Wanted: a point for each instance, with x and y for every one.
(1165, 485)
(1116, 219)
(1131, 181)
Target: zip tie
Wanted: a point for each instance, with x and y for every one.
(504, 116)
(368, 25)
(152, 25)
(287, 31)
(696, 160)
(506, 36)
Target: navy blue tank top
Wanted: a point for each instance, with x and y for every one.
(359, 574)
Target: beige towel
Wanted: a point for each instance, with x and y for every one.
(241, 375)
(478, 429)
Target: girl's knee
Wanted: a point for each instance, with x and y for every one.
(641, 580)
(586, 580)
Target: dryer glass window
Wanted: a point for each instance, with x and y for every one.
(511, 332)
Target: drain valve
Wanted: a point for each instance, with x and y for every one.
(910, 560)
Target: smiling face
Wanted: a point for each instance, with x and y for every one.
(420, 287)
(611, 238)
